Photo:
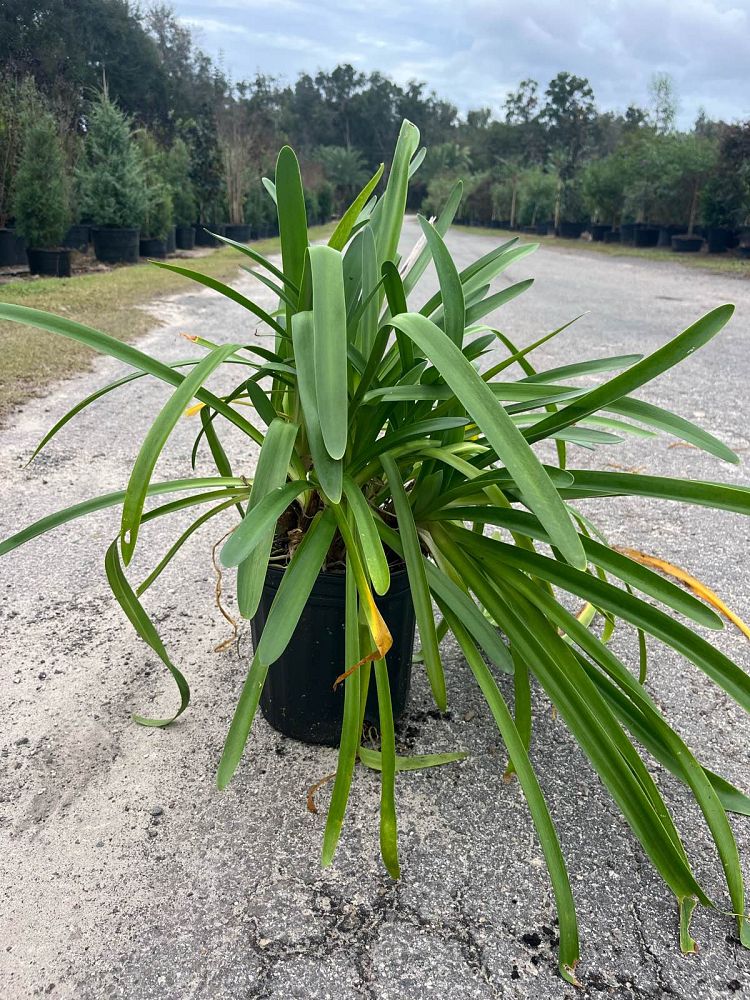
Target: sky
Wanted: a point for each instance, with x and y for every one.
(473, 52)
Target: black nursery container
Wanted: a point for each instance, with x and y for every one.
(185, 237)
(239, 231)
(50, 263)
(77, 238)
(204, 234)
(152, 246)
(113, 245)
(298, 697)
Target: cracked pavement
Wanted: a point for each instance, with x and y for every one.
(124, 873)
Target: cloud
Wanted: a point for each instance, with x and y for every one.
(473, 51)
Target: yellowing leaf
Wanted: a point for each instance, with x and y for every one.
(698, 588)
(192, 410)
(380, 633)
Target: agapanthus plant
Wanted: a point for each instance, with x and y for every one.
(393, 432)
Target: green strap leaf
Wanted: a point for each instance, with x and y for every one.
(283, 617)
(388, 823)
(608, 559)
(328, 470)
(343, 230)
(389, 214)
(330, 345)
(253, 254)
(140, 621)
(105, 344)
(270, 474)
(501, 433)
(157, 436)
(695, 491)
(257, 527)
(290, 203)
(569, 952)
(418, 762)
(420, 590)
(451, 289)
(647, 370)
(442, 225)
(478, 311)
(226, 290)
(716, 665)
(350, 727)
(372, 547)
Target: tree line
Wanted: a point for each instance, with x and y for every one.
(548, 154)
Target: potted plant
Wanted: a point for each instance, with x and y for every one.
(111, 183)
(20, 104)
(388, 455)
(41, 202)
(177, 175)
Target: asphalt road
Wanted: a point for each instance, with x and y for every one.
(123, 873)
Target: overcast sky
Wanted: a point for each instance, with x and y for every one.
(473, 51)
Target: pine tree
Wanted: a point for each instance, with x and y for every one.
(112, 186)
(41, 203)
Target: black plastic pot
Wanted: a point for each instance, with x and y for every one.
(627, 232)
(646, 236)
(204, 238)
(77, 238)
(298, 697)
(687, 244)
(116, 246)
(20, 250)
(172, 239)
(612, 236)
(718, 237)
(667, 232)
(185, 237)
(571, 230)
(152, 247)
(744, 251)
(598, 231)
(239, 231)
(7, 248)
(50, 263)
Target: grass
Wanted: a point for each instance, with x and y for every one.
(109, 301)
(717, 263)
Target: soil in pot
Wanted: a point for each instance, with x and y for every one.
(77, 238)
(239, 231)
(152, 247)
(50, 263)
(687, 244)
(185, 237)
(116, 246)
(298, 697)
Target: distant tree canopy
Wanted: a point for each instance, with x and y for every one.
(547, 151)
